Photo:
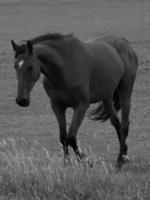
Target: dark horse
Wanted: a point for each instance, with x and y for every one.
(77, 74)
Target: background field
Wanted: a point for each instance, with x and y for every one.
(87, 20)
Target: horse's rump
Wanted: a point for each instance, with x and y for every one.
(123, 48)
(130, 61)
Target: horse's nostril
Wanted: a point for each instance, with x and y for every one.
(22, 102)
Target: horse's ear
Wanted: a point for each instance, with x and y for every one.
(14, 46)
(29, 47)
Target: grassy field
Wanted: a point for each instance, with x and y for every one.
(88, 20)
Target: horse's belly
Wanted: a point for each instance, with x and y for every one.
(99, 94)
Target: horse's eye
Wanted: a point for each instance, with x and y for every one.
(15, 66)
(30, 68)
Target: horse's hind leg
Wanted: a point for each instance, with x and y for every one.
(113, 117)
(121, 128)
(61, 118)
(125, 111)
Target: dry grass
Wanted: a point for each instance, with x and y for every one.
(38, 175)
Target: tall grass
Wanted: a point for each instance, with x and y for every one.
(28, 171)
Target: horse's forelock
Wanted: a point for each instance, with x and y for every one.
(20, 50)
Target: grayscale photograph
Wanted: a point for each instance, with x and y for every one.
(74, 100)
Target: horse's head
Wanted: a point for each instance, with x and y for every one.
(27, 68)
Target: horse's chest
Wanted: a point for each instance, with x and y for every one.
(62, 97)
(55, 94)
(59, 96)
(68, 97)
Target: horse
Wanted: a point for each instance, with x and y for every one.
(76, 74)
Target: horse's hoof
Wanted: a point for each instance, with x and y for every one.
(121, 161)
(80, 155)
(125, 158)
(119, 165)
(90, 163)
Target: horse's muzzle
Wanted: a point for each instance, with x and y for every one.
(23, 102)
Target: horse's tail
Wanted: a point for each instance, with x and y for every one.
(100, 113)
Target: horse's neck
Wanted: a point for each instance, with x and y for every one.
(50, 64)
(43, 52)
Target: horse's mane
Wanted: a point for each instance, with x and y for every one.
(43, 38)
(49, 36)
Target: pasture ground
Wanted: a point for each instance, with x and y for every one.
(87, 20)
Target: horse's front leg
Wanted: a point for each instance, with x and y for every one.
(79, 113)
(61, 118)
